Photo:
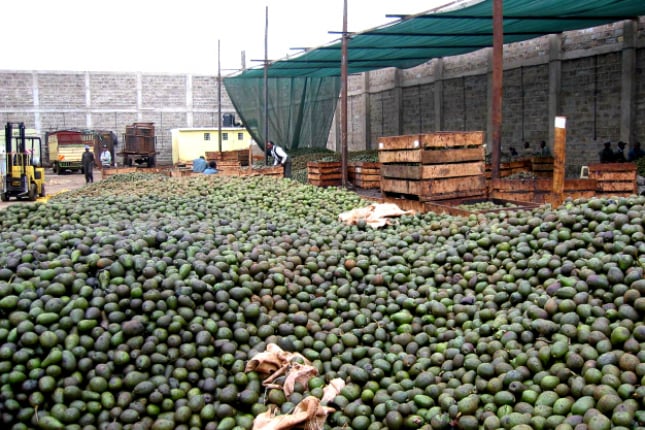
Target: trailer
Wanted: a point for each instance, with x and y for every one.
(139, 144)
(66, 147)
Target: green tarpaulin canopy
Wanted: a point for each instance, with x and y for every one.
(454, 29)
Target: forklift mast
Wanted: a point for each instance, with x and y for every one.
(20, 141)
(16, 156)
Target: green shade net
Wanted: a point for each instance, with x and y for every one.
(299, 110)
(457, 28)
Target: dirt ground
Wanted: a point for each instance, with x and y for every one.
(55, 184)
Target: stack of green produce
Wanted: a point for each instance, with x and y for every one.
(136, 302)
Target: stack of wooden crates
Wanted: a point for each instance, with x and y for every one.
(324, 173)
(433, 166)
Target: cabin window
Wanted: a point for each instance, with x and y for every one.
(224, 136)
(207, 136)
(240, 136)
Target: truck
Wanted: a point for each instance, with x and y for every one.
(23, 175)
(66, 147)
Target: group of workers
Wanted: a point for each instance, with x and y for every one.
(609, 155)
(87, 161)
(542, 151)
(278, 154)
(200, 165)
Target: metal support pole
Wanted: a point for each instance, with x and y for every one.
(266, 87)
(343, 99)
(219, 98)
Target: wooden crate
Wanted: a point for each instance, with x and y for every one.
(241, 156)
(324, 173)
(433, 166)
(364, 174)
(617, 179)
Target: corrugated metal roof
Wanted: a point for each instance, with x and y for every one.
(457, 29)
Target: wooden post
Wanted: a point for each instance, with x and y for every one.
(559, 159)
(498, 71)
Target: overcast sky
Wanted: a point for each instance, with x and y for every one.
(177, 36)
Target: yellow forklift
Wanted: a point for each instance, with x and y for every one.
(23, 176)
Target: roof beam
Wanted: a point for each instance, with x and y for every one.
(520, 17)
(317, 63)
(507, 33)
(376, 48)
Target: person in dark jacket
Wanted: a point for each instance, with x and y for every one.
(87, 160)
(607, 154)
(619, 155)
(636, 152)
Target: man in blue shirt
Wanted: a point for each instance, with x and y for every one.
(211, 169)
(199, 165)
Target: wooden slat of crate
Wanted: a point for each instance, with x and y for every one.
(619, 187)
(364, 165)
(401, 156)
(452, 139)
(523, 196)
(364, 169)
(117, 171)
(508, 169)
(541, 164)
(458, 155)
(580, 185)
(541, 185)
(241, 155)
(364, 176)
(400, 186)
(408, 141)
(601, 168)
(323, 176)
(419, 155)
(262, 171)
(325, 182)
(613, 176)
(538, 190)
(512, 185)
(432, 189)
(419, 172)
(367, 185)
(323, 167)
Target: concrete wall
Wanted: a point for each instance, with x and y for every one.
(55, 100)
(594, 77)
